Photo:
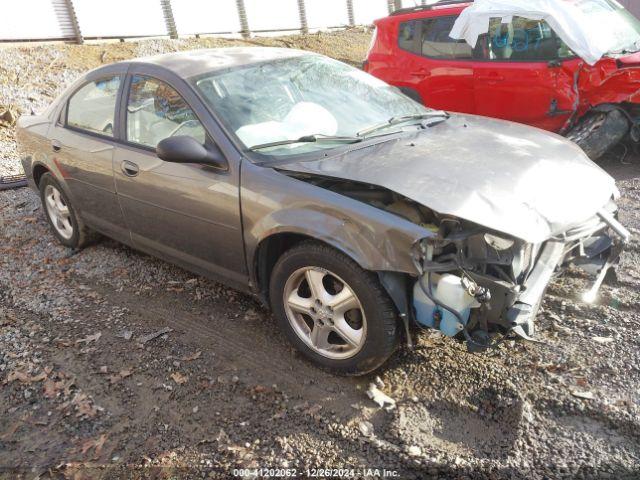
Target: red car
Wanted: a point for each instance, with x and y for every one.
(520, 70)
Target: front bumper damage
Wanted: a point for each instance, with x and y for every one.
(465, 291)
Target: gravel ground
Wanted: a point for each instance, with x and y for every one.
(114, 364)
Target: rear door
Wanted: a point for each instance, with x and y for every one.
(438, 67)
(83, 143)
(521, 78)
(187, 213)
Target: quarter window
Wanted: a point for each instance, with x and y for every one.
(155, 111)
(523, 39)
(92, 108)
(408, 36)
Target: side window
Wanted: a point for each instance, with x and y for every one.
(155, 111)
(523, 39)
(92, 108)
(407, 36)
(436, 42)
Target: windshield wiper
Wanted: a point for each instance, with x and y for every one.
(307, 139)
(401, 119)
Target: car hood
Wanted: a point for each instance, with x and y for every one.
(508, 177)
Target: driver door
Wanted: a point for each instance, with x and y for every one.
(186, 213)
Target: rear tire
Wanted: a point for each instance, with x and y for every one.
(598, 132)
(315, 289)
(65, 224)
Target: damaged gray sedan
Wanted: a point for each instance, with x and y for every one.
(351, 210)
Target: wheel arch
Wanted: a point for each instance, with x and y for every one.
(38, 171)
(273, 246)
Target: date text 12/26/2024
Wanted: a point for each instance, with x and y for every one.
(314, 473)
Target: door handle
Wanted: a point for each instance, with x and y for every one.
(130, 169)
(55, 146)
(421, 73)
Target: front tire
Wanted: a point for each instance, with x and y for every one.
(65, 224)
(599, 132)
(333, 311)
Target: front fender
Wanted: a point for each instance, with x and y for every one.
(273, 203)
(612, 84)
(376, 247)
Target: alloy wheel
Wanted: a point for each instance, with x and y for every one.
(58, 212)
(325, 313)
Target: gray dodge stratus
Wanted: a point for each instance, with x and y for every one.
(351, 210)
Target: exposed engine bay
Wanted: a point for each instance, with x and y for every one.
(478, 284)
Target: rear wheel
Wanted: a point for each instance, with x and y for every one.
(332, 310)
(68, 228)
(598, 132)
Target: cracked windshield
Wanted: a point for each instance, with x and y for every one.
(305, 104)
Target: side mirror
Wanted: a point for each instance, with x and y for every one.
(185, 149)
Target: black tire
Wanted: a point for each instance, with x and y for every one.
(82, 235)
(598, 132)
(382, 332)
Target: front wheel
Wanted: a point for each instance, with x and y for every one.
(332, 310)
(598, 132)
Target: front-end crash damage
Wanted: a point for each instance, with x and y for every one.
(494, 227)
(474, 282)
(478, 283)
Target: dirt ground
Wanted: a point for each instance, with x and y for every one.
(117, 365)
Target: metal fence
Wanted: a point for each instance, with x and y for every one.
(77, 20)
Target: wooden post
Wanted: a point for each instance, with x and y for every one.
(169, 21)
(244, 21)
(350, 13)
(302, 10)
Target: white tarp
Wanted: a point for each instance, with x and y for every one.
(590, 28)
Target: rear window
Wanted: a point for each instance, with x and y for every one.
(92, 107)
(430, 38)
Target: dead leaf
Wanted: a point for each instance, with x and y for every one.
(179, 378)
(95, 444)
(24, 377)
(90, 338)
(190, 358)
(51, 388)
(84, 406)
(123, 374)
(260, 389)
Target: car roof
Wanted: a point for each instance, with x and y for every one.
(441, 8)
(192, 63)
(434, 6)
